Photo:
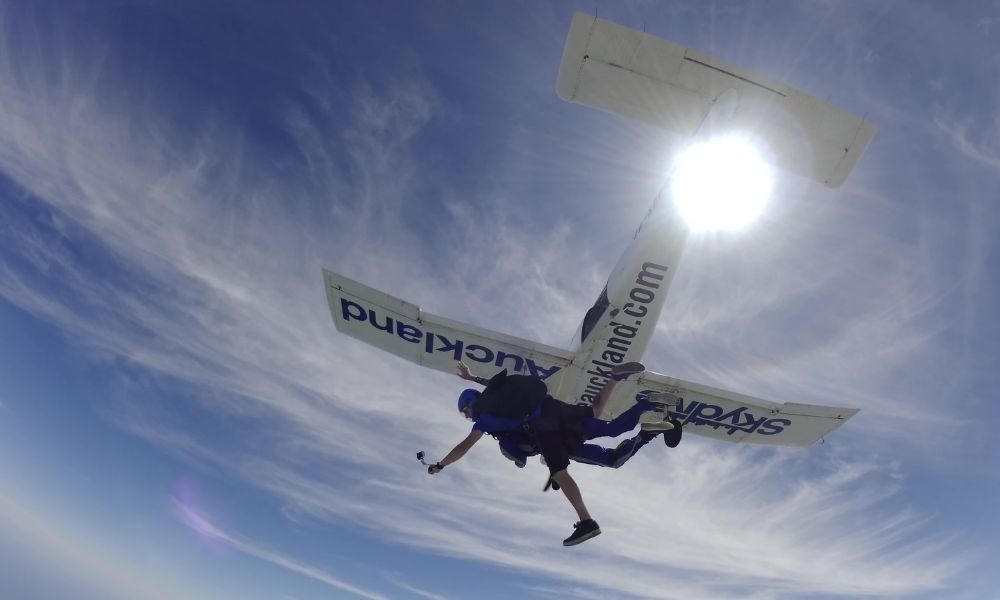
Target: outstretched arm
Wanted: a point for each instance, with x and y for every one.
(457, 452)
(465, 373)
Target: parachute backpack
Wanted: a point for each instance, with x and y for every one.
(511, 396)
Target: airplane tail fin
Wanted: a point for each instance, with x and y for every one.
(633, 74)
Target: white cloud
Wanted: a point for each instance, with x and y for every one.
(209, 274)
(976, 140)
(203, 526)
(398, 581)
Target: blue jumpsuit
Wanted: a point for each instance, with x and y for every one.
(519, 446)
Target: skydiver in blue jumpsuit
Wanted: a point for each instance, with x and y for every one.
(558, 429)
(518, 446)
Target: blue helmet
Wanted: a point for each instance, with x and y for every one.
(467, 399)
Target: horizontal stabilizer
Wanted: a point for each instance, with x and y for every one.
(637, 75)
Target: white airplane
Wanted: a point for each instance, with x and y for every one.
(637, 75)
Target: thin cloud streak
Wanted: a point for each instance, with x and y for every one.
(203, 526)
(972, 139)
(395, 580)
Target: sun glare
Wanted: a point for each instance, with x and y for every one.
(721, 184)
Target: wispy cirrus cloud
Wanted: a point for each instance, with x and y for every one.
(196, 256)
(399, 582)
(972, 138)
(203, 526)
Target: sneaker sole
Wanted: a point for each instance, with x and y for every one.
(582, 538)
(666, 426)
(627, 370)
(664, 399)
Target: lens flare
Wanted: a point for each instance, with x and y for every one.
(721, 184)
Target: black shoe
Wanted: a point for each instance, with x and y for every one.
(621, 372)
(673, 437)
(583, 531)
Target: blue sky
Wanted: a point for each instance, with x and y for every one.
(179, 418)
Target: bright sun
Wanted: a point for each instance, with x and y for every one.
(721, 184)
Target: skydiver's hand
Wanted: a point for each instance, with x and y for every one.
(434, 469)
(464, 373)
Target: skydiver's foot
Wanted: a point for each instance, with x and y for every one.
(625, 370)
(665, 400)
(583, 531)
(673, 437)
(657, 426)
(517, 460)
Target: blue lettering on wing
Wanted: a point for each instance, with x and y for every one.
(502, 357)
(436, 343)
(539, 371)
(774, 426)
(479, 353)
(373, 319)
(448, 346)
(692, 412)
(409, 333)
(352, 310)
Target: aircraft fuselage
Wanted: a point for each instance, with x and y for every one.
(619, 326)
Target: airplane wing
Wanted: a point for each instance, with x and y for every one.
(401, 328)
(404, 330)
(733, 417)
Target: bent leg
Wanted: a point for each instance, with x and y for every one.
(592, 454)
(624, 422)
(618, 373)
(628, 448)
